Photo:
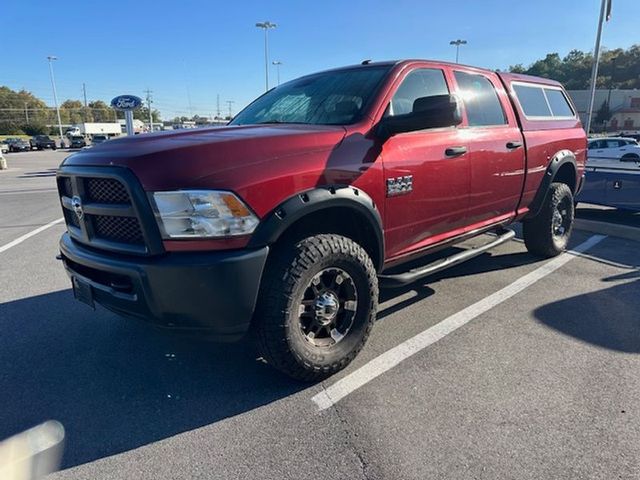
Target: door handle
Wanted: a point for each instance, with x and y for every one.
(455, 151)
(512, 145)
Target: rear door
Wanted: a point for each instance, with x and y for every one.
(496, 148)
(427, 181)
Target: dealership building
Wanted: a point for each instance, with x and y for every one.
(624, 106)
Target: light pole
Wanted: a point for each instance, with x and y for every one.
(277, 63)
(266, 26)
(457, 43)
(51, 58)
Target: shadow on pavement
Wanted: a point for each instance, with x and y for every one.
(118, 384)
(607, 318)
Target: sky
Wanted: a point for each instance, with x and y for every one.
(189, 52)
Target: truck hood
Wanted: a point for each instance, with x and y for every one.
(192, 158)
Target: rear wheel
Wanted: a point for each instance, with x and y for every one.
(316, 306)
(547, 234)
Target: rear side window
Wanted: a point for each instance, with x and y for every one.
(480, 100)
(558, 102)
(543, 102)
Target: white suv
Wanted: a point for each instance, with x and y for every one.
(612, 149)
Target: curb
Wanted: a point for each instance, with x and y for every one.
(611, 229)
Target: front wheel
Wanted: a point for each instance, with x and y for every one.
(316, 307)
(547, 234)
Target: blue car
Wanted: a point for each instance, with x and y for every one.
(613, 181)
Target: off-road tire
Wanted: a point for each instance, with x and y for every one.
(541, 235)
(277, 325)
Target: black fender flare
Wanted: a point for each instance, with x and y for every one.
(560, 159)
(274, 224)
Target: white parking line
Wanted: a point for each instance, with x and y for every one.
(21, 239)
(385, 362)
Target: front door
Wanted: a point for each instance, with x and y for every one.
(427, 173)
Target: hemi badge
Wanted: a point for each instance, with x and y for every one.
(399, 185)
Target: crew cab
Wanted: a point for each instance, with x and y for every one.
(40, 142)
(286, 222)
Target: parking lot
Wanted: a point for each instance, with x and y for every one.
(504, 367)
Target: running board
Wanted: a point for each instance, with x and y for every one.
(405, 278)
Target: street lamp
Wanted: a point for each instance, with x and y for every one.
(277, 63)
(457, 43)
(51, 58)
(266, 26)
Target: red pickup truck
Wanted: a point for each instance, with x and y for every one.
(285, 222)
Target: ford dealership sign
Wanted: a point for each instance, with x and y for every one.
(126, 102)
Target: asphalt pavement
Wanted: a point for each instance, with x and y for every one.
(538, 379)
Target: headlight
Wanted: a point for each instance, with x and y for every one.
(202, 214)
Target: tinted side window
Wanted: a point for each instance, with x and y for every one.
(532, 101)
(557, 101)
(480, 100)
(424, 82)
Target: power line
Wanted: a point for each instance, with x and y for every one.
(230, 103)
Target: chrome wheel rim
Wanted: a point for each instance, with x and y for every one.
(328, 307)
(561, 218)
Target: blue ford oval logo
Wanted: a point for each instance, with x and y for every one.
(126, 102)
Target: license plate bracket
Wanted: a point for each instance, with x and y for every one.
(82, 291)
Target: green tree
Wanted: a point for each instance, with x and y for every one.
(72, 111)
(142, 113)
(19, 108)
(619, 68)
(102, 112)
(603, 114)
(36, 129)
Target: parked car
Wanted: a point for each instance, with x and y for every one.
(286, 221)
(4, 147)
(41, 142)
(604, 150)
(77, 142)
(18, 145)
(635, 136)
(98, 139)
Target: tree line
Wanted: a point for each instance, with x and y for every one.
(619, 68)
(21, 112)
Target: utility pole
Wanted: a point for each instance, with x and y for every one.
(230, 102)
(84, 94)
(26, 111)
(51, 58)
(218, 106)
(605, 12)
(457, 43)
(266, 26)
(149, 92)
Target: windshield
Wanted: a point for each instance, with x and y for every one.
(329, 98)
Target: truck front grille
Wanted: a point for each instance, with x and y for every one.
(108, 211)
(106, 190)
(118, 229)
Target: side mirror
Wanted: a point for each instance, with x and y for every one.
(428, 112)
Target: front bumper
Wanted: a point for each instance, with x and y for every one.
(211, 293)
